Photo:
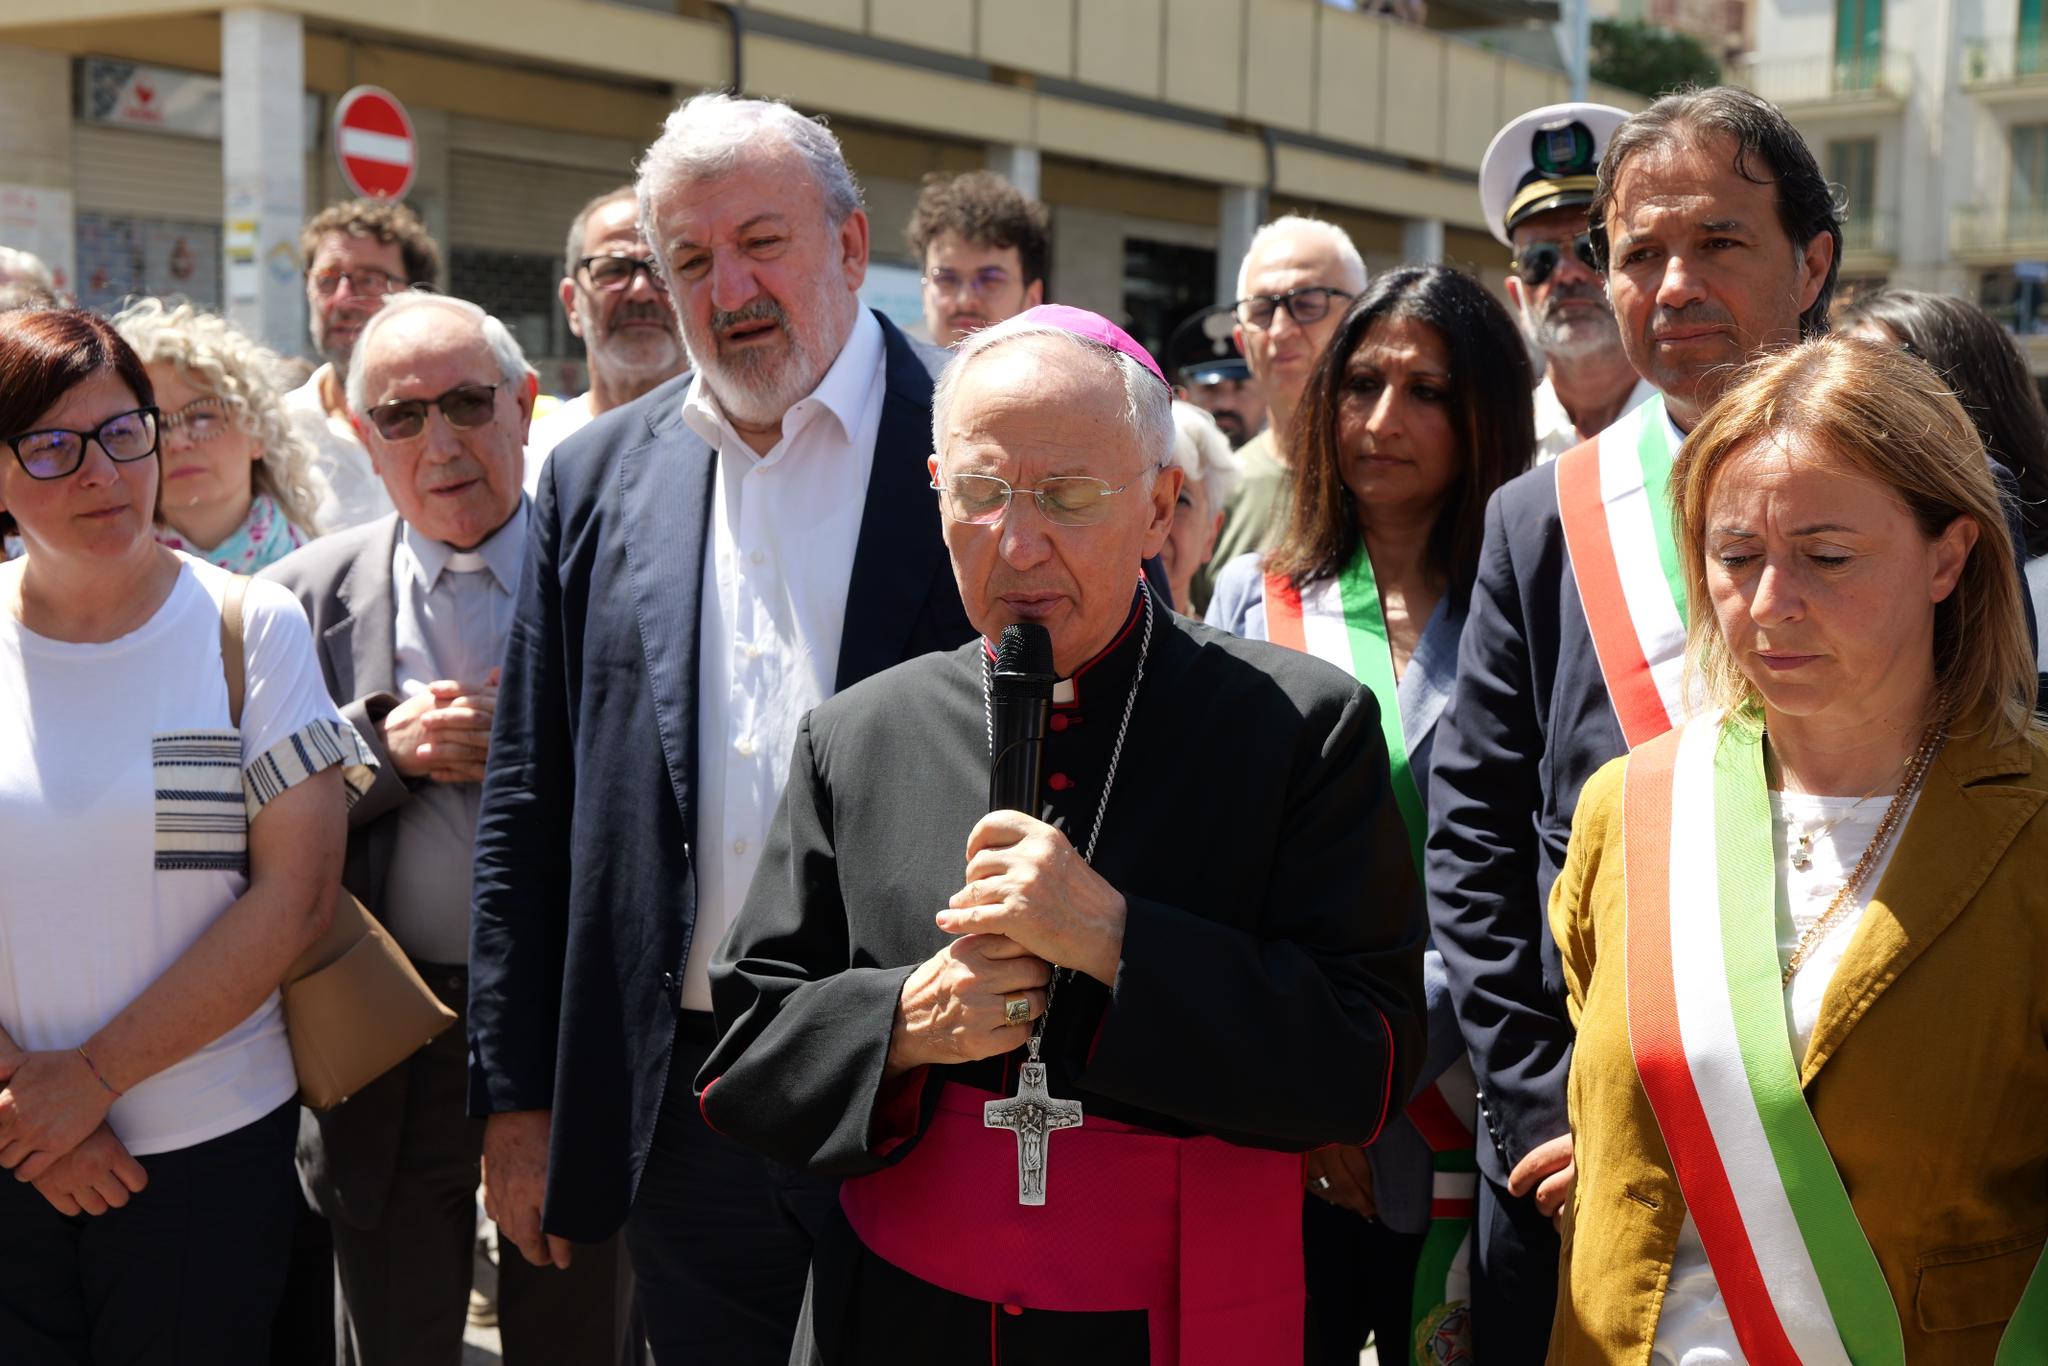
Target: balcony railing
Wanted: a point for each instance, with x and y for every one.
(2004, 61)
(1872, 232)
(2005, 230)
(1828, 80)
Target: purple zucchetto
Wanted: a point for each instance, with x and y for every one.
(1095, 328)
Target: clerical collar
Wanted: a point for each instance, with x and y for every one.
(1108, 672)
(500, 552)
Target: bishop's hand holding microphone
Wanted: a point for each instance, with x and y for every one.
(1029, 899)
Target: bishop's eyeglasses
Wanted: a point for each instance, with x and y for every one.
(1068, 500)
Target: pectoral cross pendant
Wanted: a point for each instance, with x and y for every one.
(1032, 1114)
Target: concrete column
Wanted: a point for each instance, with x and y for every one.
(37, 212)
(263, 139)
(1243, 208)
(1422, 240)
(1017, 163)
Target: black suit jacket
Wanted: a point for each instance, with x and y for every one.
(585, 885)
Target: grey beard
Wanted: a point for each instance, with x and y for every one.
(1578, 341)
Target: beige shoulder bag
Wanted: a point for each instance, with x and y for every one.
(354, 1008)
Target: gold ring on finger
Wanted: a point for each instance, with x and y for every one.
(1017, 1009)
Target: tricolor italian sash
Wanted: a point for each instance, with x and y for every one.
(1706, 1022)
(1613, 497)
(1340, 620)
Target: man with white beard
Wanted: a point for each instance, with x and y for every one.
(704, 565)
(616, 302)
(1534, 186)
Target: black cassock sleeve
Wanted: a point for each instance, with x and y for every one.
(803, 1033)
(1308, 1029)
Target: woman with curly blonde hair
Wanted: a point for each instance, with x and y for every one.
(238, 484)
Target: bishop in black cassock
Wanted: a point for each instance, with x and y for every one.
(1234, 980)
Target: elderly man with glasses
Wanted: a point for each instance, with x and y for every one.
(1297, 277)
(413, 612)
(357, 254)
(1534, 186)
(1064, 1055)
(612, 291)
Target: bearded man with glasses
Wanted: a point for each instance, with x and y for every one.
(412, 613)
(1292, 288)
(357, 254)
(613, 293)
(1534, 186)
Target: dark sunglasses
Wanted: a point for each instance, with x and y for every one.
(615, 272)
(1537, 262)
(54, 452)
(466, 405)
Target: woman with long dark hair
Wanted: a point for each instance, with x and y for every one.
(1415, 414)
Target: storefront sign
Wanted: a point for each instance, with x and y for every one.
(156, 99)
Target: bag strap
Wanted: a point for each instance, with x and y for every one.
(231, 661)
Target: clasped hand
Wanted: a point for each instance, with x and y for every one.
(50, 1103)
(1030, 900)
(444, 733)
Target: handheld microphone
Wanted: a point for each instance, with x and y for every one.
(1020, 699)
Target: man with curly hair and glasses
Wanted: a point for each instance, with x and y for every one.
(981, 246)
(356, 253)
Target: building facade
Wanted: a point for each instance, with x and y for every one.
(1932, 118)
(155, 146)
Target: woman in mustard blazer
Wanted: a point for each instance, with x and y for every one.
(1805, 935)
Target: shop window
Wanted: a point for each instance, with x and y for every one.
(1163, 284)
(120, 258)
(520, 289)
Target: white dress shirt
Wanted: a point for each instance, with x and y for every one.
(452, 613)
(354, 494)
(1555, 433)
(783, 531)
(548, 432)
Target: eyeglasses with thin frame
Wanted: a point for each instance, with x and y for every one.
(1536, 262)
(56, 452)
(982, 283)
(202, 420)
(1067, 500)
(614, 271)
(1309, 304)
(367, 281)
(466, 405)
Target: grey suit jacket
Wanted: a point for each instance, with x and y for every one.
(347, 1155)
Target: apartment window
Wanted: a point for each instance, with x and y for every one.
(1859, 43)
(2029, 55)
(2028, 202)
(1852, 165)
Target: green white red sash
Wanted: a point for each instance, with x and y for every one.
(1340, 620)
(1613, 497)
(1706, 1019)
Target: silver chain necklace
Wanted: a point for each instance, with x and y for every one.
(1033, 1113)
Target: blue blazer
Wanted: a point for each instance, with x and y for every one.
(585, 888)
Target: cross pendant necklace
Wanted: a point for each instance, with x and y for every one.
(1033, 1114)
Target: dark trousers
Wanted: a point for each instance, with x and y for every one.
(1361, 1280)
(1514, 1278)
(405, 1280)
(188, 1273)
(720, 1237)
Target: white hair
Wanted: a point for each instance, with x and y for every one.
(1201, 448)
(1296, 224)
(1148, 402)
(503, 346)
(708, 135)
(20, 267)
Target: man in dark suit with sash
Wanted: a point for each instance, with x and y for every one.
(705, 564)
(1719, 239)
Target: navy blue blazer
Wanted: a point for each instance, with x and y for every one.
(585, 889)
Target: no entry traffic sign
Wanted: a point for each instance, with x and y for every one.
(373, 140)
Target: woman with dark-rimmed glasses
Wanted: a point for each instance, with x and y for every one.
(236, 484)
(164, 869)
